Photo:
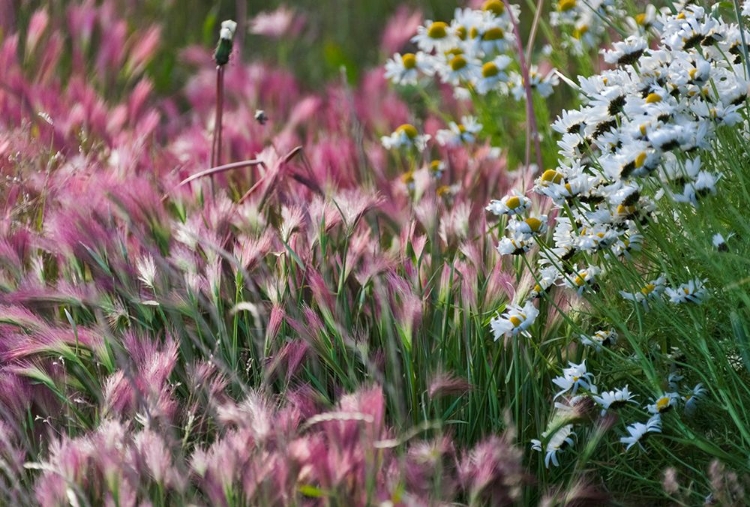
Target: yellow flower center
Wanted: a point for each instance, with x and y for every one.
(565, 5)
(494, 6)
(494, 33)
(410, 60)
(552, 176)
(473, 33)
(435, 166)
(408, 177)
(461, 32)
(648, 289)
(515, 321)
(457, 63)
(443, 190)
(409, 130)
(662, 403)
(513, 202)
(534, 224)
(640, 159)
(580, 279)
(625, 211)
(641, 18)
(580, 31)
(489, 69)
(653, 98)
(438, 30)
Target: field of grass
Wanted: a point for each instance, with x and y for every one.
(374, 253)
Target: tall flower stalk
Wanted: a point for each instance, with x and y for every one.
(221, 56)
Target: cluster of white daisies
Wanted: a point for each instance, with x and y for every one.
(635, 140)
(576, 385)
(470, 53)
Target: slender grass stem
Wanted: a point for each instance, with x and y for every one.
(531, 126)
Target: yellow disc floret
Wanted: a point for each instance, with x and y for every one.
(438, 30)
(551, 176)
(410, 60)
(566, 5)
(494, 33)
(489, 69)
(496, 7)
(648, 289)
(534, 224)
(640, 159)
(409, 130)
(513, 202)
(458, 62)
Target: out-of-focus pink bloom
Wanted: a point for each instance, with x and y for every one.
(143, 49)
(37, 27)
(283, 22)
(399, 29)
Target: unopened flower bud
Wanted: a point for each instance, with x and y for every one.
(224, 48)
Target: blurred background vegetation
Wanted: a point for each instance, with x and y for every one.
(336, 33)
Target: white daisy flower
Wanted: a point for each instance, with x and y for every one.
(518, 245)
(434, 36)
(405, 136)
(638, 431)
(614, 399)
(514, 320)
(492, 75)
(514, 203)
(692, 398)
(582, 279)
(405, 69)
(546, 279)
(720, 243)
(531, 226)
(557, 442)
(691, 292)
(652, 290)
(457, 68)
(663, 403)
(626, 52)
(459, 133)
(600, 339)
(544, 85)
(574, 377)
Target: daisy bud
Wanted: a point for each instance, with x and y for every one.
(224, 48)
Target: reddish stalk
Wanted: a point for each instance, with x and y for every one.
(216, 145)
(531, 127)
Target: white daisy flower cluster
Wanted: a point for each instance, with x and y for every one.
(636, 139)
(580, 394)
(473, 52)
(693, 291)
(584, 21)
